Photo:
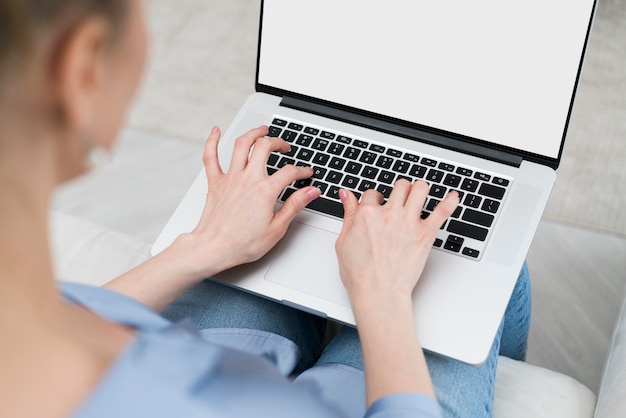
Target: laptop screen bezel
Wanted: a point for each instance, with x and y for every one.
(525, 155)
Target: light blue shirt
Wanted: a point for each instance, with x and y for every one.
(174, 370)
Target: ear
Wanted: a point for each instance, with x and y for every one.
(77, 70)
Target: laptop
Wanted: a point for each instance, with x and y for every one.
(468, 96)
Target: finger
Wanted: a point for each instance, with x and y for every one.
(444, 209)
(209, 157)
(400, 193)
(243, 146)
(263, 147)
(288, 174)
(372, 197)
(294, 205)
(350, 205)
(417, 196)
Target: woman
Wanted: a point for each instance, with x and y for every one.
(68, 70)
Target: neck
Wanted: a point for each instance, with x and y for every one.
(27, 180)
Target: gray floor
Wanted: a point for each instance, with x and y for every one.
(202, 68)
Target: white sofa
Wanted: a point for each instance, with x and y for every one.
(89, 253)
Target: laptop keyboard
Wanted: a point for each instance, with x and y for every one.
(344, 161)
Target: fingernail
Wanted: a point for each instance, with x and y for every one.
(342, 195)
(313, 193)
(215, 129)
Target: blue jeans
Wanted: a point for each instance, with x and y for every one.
(462, 390)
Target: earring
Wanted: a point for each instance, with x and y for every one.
(97, 155)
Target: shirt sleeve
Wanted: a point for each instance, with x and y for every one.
(403, 405)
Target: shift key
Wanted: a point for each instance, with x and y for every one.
(467, 230)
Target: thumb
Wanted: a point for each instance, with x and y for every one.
(295, 203)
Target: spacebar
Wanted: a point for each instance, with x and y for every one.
(329, 207)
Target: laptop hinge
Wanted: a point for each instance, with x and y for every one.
(403, 131)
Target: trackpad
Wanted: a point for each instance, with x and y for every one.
(306, 261)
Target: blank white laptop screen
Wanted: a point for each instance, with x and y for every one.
(498, 71)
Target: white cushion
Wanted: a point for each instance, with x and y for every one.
(88, 253)
(612, 399)
(524, 390)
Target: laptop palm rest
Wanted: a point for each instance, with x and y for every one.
(306, 261)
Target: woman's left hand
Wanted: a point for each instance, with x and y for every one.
(239, 224)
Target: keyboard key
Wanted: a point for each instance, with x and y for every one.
(292, 151)
(327, 135)
(301, 184)
(330, 207)
(434, 175)
(482, 176)
(352, 153)
(394, 153)
(494, 192)
(334, 177)
(457, 212)
(384, 161)
(407, 178)
(480, 218)
(284, 161)
(366, 185)
(418, 171)
(336, 148)
(289, 136)
(279, 122)
(386, 177)
(500, 182)
(344, 139)
(432, 204)
(377, 148)
(295, 126)
(274, 132)
(320, 144)
(411, 157)
(304, 140)
(311, 131)
(350, 182)
(385, 190)
(469, 185)
(368, 157)
(359, 143)
(353, 167)
(321, 158)
(452, 180)
(273, 159)
(453, 243)
(271, 170)
(401, 166)
(337, 163)
(369, 172)
(467, 230)
(429, 162)
(446, 167)
(288, 192)
(464, 171)
(437, 191)
(319, 172)
(305, 154)
(438, 243)
(470, 252)
(333, 192)
(472, 200)
(490, 206)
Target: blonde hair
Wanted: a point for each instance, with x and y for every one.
(22, 20)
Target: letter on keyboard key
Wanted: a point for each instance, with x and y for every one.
(329, 207)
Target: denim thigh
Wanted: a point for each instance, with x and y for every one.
(211, 304)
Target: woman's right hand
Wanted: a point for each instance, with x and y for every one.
(382, 249)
